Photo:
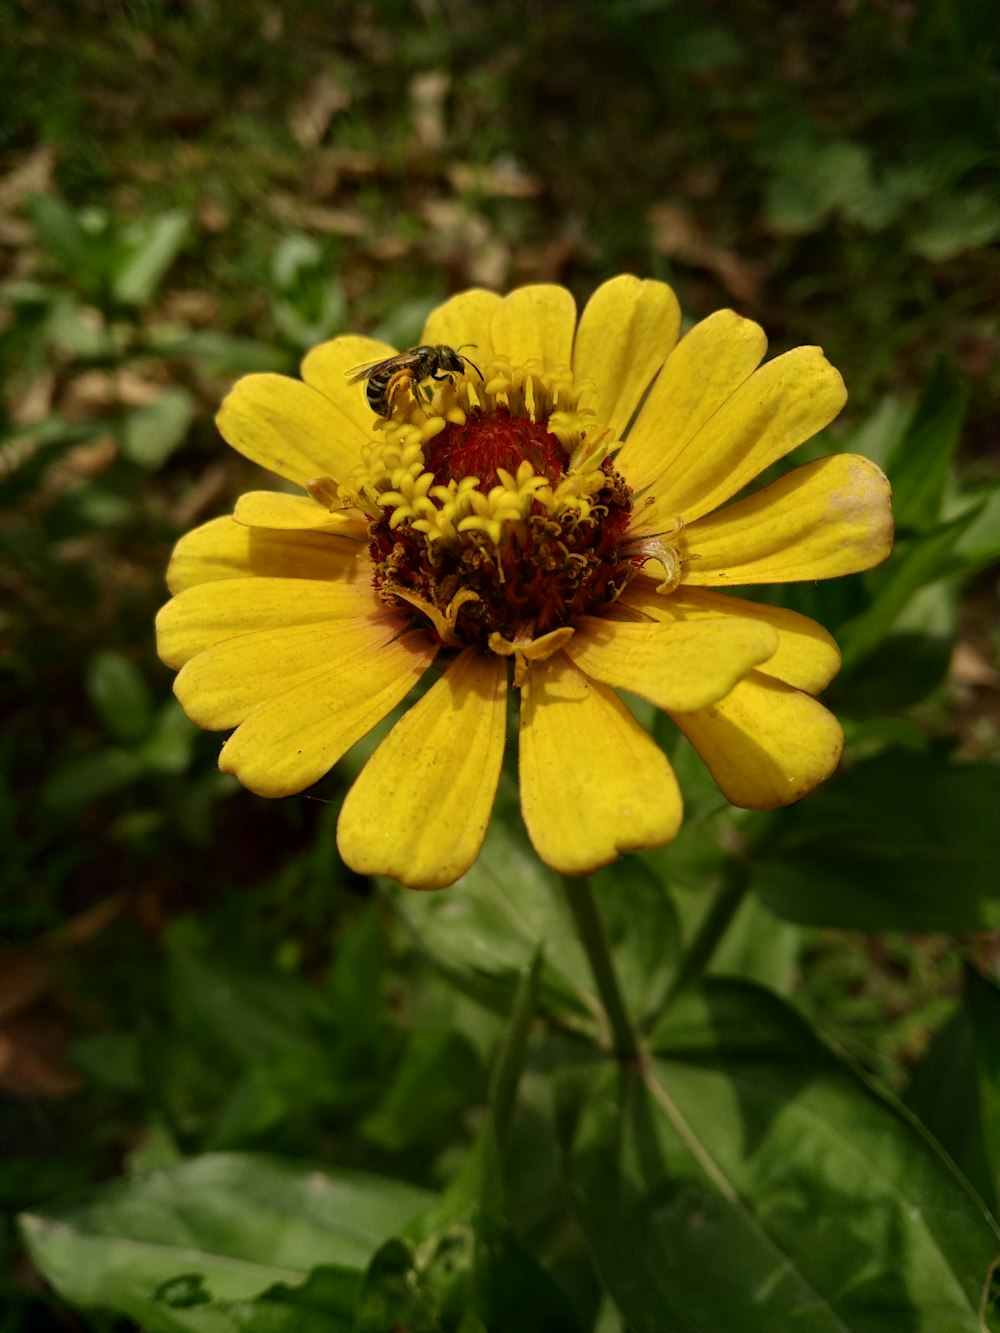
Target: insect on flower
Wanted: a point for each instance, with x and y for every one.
(407, 369)
(569, 525)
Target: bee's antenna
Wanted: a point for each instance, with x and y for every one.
(468, 360)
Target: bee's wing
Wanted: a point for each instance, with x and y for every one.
(365, 371)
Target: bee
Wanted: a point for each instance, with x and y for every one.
(407, 370)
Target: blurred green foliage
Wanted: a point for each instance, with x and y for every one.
(195, 995)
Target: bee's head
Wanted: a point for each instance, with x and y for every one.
(461, 361)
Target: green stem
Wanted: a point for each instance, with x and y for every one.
(580, 896)
(714, 925)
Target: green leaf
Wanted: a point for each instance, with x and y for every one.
(915, 565)
(62, 233)
(438, 1077)
(643, 931)
(168, 748)
(394, 1297)
(91, 779)
(983, 1007)
(324, 1303)
(150, 248)
(920, 464)
(903, 842)
(943, 1094)
(753, 1182)
(150, 434)
(251, 1014)
(957, 224)
(485, 936)
(235, 1223)
(812, 179)
(220, 353)
(978, 545)
(120, 696)
(31, 450)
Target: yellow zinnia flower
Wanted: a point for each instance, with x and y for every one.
(547, 518)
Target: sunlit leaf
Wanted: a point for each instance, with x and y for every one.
(150, 434)
(234, 1224)
(152, 248)
(752, 1182)
(120, 696)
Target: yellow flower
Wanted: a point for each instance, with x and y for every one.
(548, 520)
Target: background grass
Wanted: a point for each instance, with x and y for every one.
(275, 173)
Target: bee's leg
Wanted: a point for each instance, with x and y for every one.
(401, 378)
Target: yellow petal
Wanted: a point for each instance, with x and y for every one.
(326, 367)
(779, 406)
(225, 549)
(420, 808)
(289, 428)
(289, 743)
(707, 367)
(593, 782)
(221, 686)
(627, 331)
(806, 656)
(291, 513)
(464, 318)
(535, 323)
(819, 521)
(765, 744)
(672, 665)
(213, 612)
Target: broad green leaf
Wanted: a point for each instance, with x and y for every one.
(509, 905)
(120, 696)
(30, 451)
(437, 1078)
(91, 779)
(983, 1007)
(909, 664)
(394, 1296)
(220, 353)
(150, 434)
(233, 1224)
(486, 932)
(150, 248)
(916, 564)
(920, 463)
(324, 1303)
(811, 179)
(878, 434)
(957, 224)
(944, 1096)
(168, 748)
(760, 947)
(903, 842)
(752, 1182)
(251, 1014)
(61, 232)
(978, 546)
(643, 931)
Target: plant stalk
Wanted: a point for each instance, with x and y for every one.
(590, 927)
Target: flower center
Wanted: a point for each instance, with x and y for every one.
(496, 514)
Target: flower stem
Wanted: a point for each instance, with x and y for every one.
(583, 905)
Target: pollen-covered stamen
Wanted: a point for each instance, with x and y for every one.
(501, 518)
(664, 548)
(527, 650)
